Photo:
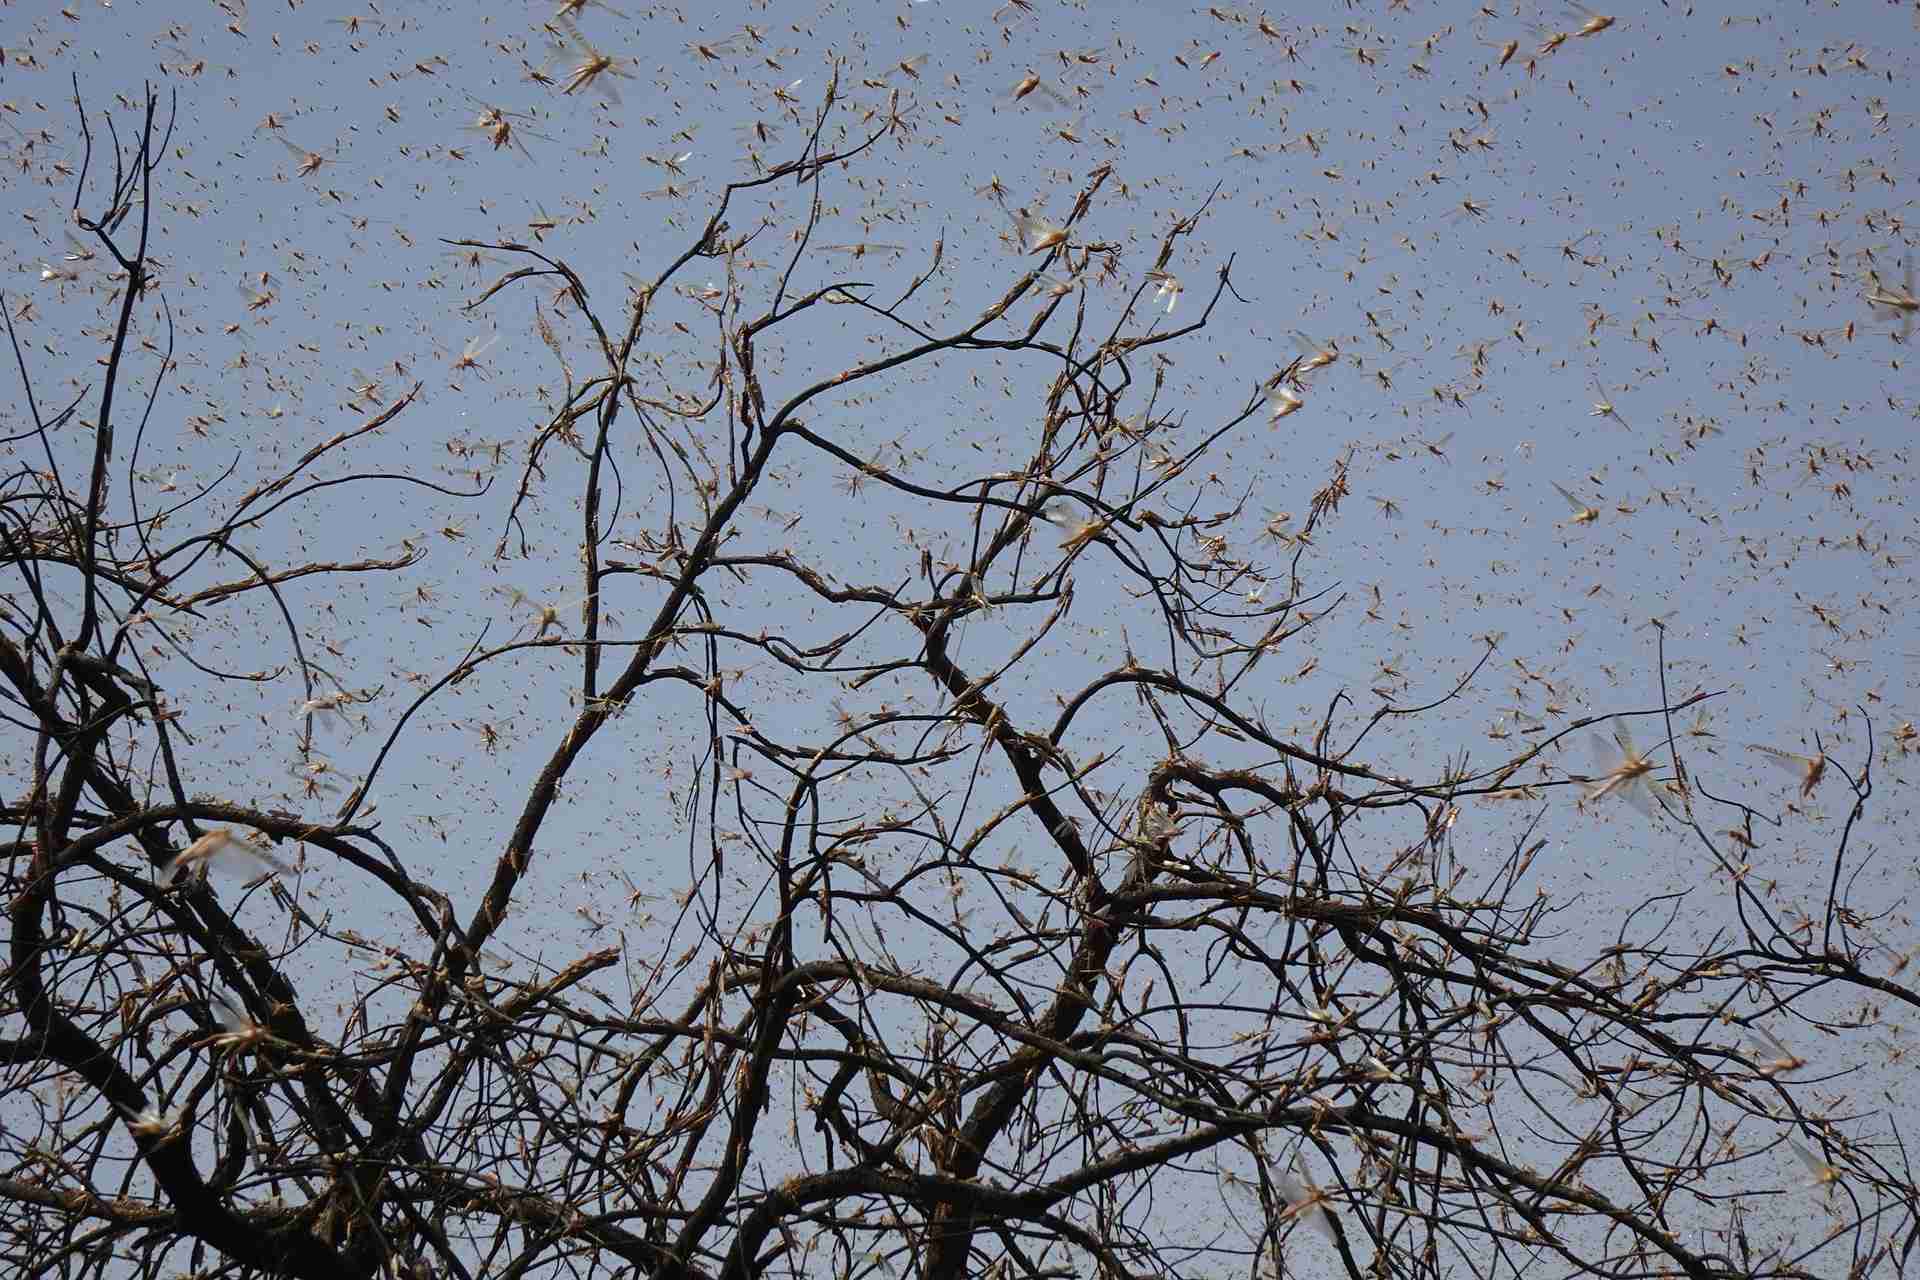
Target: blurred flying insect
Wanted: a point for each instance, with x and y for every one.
(236, 1028)
(1623, 771)
(715, 51)
(571, 9)
(1821, 1175)
(1775, 1058)
(1067, 131)
(910, 67)
(1316, 354)
(258, 291)
(1584, 512)
(1810, 769)
(672, 191)
(220, 850)
(585, 67)
(1438, 448)
(994, 190)
(861, 250)
(1591, 23)
(1900, 301)
(1168, 290)
(1506, 49)
(189, 66)
(1311, 140)
(1475, 353)
(758, 133)
(363, 388)
(1383, 374)
(1603, 403)
(77, 253)
(1468, 209)
(1077, 528)
(548, 615)
(1306, 1202)
(316, 777)
(1036, 232)
(501, 129)
(310, 161)
(1028, 85)
(469, 357)
(1281, 401)
(351, 23)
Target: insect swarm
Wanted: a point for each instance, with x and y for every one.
(1309, 759)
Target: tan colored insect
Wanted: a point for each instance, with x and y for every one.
(310, 161)
(469, 357)
(1584, 512)
(1281, 401)
(1031, 83)
(570, 9)
(1775, 1059)
(861, 250)
(1306, 1202)
(586, 67)
(1036, 232)
(258, 291)
(1603, 405)
(714, 51)
(1821, 1175)
(500, 129)
(1077, 528)
(220, 850)
(1591, 23)
(1811, 769)
(1623, 771)
(1900, 301)
(1317, 354)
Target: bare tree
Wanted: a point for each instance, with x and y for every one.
(957, 985)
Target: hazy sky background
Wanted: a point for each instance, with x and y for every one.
(1673, 215)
